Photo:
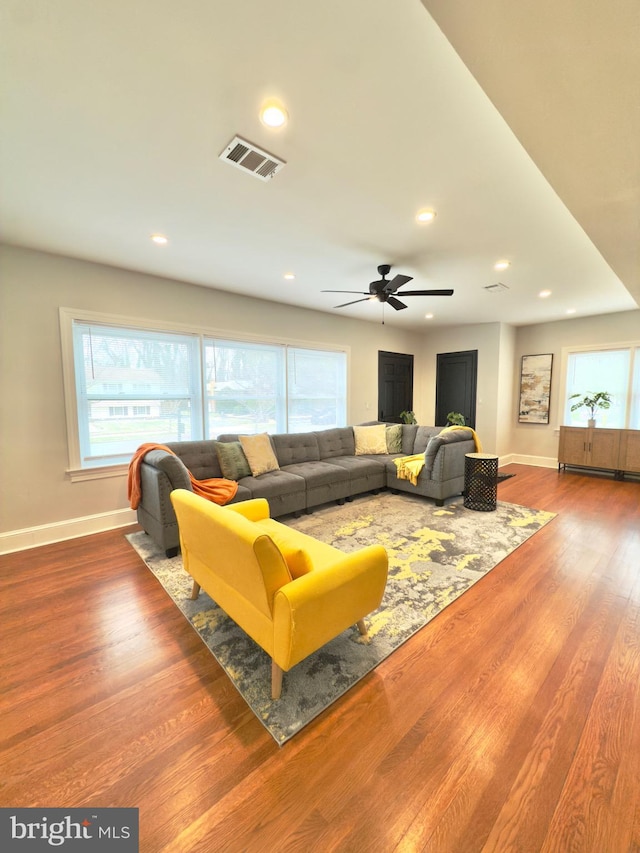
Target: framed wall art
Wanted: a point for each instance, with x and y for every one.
(535, 389)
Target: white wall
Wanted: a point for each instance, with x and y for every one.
(541, 440)
(33, 454)
(487, 339)
(38, 502)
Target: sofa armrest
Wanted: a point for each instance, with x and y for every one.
(316, 607)
(170, 465)
(255, 509)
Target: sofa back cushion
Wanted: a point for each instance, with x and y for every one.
(408, 438)
(292, 448)
(338, 441)
(423, 436)
(199, 457)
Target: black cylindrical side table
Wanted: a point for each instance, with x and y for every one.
(480, 481)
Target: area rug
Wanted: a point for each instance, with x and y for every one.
(435, 555)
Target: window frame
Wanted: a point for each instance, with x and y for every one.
(67, 316)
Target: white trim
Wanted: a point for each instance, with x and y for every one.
(59, 531)
(537, 461)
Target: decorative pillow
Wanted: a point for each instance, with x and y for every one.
(394, 438)
(297, 559)
(370, 439)
(233, 462)
(259, 453)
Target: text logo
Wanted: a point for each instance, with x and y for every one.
(104, 830)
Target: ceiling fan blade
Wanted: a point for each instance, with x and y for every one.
(344, 291)
(344, 304)
(395, 303)
(426, 293)
(396, 282)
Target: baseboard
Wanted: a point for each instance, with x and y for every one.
(59, 531)
(537, 461)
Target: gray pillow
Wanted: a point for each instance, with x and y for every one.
(233, 462)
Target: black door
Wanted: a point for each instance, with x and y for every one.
(456, 378)
(395, 385)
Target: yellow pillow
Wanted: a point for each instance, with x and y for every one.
(259, 453)
(370, 439)
(297, 559)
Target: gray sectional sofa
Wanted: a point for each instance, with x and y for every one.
(315, 468)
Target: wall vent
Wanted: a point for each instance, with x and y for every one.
(248, 157)
(498, 287)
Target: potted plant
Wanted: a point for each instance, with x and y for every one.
(599, 400)
(408, 418)
(455, 419)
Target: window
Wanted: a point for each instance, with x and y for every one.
(612, 369)
(125, 386)
(133, 386)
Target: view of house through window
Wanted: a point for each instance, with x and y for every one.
(137, 385)
(614, 370)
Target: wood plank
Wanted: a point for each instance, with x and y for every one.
(510, 722)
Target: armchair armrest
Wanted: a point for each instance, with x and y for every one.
(316, 607)
(255, 509)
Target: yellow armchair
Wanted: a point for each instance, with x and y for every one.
(288, 591)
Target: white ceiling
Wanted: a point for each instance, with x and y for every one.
(115, 113)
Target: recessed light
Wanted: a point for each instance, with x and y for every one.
(502, 265)
(428, 316)
(544, 293)
(570, 311)
(273, 113)
(159, 239)
(289, 276)
(425, 215)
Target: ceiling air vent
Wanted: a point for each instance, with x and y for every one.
(248, 157)
(496, 288)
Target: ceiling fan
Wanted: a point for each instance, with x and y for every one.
(386, 291)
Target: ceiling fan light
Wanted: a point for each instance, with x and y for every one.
(425, 215)
(273, 113)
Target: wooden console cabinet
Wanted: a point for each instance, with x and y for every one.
(615, 450)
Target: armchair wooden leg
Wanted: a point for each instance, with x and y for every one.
(363, 631)
(276, 680)
(195, 591)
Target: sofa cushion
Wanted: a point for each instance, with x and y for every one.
(423, 436)
(296, 447)
(259, 453)
(198, 456)
(233, 462)
(370, 439)
(338, 441)
(394, 438)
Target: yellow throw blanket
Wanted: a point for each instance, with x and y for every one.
(409, 467)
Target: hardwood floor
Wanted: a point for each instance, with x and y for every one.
(509, 723)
